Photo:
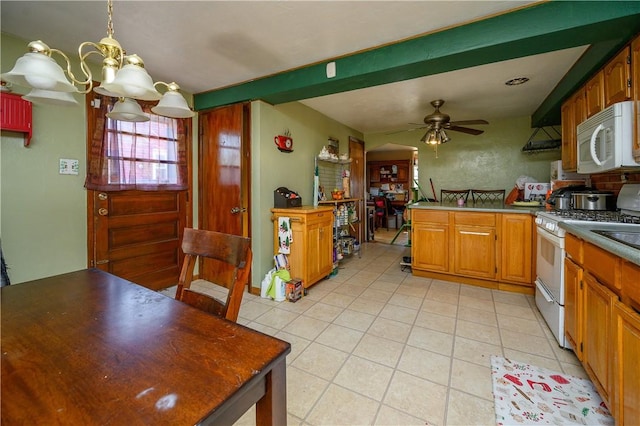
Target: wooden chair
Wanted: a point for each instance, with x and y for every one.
(225, 249)
(452, 195)
(487, 195)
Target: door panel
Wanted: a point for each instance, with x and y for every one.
(136, 235)
(224, 176)
(356, 153)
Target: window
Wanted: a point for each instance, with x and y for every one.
(147, 156)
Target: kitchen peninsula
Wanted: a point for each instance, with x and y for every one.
(489, 245)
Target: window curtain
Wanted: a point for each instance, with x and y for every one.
(148, 156)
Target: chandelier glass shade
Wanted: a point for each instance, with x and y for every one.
(435, 136)
(50, 97)
(123, 76)
(127, 109)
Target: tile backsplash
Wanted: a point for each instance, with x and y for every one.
(613, 181)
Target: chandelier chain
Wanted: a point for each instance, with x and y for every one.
(110, 21)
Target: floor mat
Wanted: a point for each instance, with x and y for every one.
(529, 395)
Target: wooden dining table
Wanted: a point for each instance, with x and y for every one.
(90, 348)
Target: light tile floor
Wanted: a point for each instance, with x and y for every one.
(376, 345)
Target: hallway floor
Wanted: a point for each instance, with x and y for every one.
(375, 345)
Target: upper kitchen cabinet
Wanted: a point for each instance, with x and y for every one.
(594, 94)
(635, 82)
(573, 113)
(617, 78)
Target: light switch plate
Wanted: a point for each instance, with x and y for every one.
(69, 166)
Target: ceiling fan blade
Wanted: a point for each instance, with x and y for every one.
(406, 130)
(465, 130)
(468, 122)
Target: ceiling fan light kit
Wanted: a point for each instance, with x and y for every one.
(123, 76)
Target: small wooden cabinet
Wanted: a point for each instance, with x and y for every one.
(389, 172)
(635, 80)
(594, 95)
(573, 113)
(626, 380)
(475, 244)
(431, 228)
(617, 78)
(16, 115)
(598, 356)
(573, 306)
(516, 249)
(311, 257)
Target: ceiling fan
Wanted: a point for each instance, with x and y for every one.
(437, 122)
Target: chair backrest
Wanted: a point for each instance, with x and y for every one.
(231, 250)
(447, 195)
(487, 195)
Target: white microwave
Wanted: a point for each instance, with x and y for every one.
(605, 140)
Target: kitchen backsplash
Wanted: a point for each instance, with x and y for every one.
(613, 181)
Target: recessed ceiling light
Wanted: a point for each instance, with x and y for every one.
(517, 81)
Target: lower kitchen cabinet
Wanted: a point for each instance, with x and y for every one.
(626, 380)
(475, 244)
(573, 305)
(516, 248)
(494, 250)
(598, 354)
(311, 257)
(431, 228)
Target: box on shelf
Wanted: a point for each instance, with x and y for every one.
(536, 190)
(294, 289)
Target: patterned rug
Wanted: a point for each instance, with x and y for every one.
(529, 395)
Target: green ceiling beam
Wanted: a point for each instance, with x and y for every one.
(538, 29)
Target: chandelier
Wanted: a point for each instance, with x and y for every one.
(123, 77)
(435, 136)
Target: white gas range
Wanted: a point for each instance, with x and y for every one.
(550, 251)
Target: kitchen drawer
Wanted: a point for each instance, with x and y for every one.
(475, 219)
(430, 216)
(603, 265)
(630, 280)
(573, 248)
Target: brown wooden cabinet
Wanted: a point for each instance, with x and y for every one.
(516, 249)
(431, 228)
(617, 78)
(573, 113)
(635, 80)
(594, 94)
(598, 354)
(573, 306)
(311, 257)
(626, 374)
(390, 172)
(474, 237)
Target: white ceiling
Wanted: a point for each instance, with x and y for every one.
(205, 45)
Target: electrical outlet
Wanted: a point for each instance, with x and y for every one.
(69, 166)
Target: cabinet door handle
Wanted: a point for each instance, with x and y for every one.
(474, 233)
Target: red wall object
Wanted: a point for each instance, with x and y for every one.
(15, 115)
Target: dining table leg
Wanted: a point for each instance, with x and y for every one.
(271, 409)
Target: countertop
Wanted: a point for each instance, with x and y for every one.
(478, 207)
(583, 230)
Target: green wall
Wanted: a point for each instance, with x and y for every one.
(492, 160)
(271, 168)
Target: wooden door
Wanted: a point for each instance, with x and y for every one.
(224, 176)
(616, 78)
(598, 335)
(475, 251)
(573, 306)
(136, 235)
(356, 153)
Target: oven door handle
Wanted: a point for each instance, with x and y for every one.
(543, 290)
